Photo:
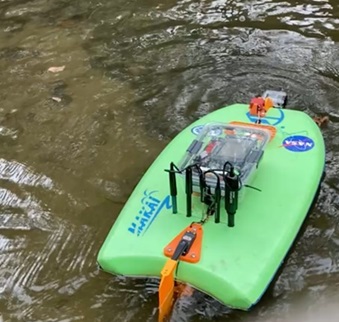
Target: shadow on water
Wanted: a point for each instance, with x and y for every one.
(138, 72)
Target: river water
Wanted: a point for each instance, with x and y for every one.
(74, 143)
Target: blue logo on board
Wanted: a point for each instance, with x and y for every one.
(298, 143)
(150, 209)
(268, 120)
(214, 132)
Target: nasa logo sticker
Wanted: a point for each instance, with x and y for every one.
(197, 130)
(298, 143)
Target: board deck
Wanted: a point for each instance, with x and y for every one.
(237, 264)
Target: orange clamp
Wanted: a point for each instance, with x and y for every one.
(259, 106)
(194, 253)
(167, 284)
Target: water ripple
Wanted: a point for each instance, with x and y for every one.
(20, 174)
(32, 240)
(136, 74)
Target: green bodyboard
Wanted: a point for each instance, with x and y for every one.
(237, 264)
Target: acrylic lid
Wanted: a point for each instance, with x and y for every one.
(218, 143)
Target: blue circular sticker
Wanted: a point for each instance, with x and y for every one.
(197, 130)
(298, 143)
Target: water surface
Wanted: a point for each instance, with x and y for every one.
(136, 73)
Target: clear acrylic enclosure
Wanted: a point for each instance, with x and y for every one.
(217, 143)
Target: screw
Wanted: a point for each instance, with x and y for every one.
(169, 249)
(193, 255)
